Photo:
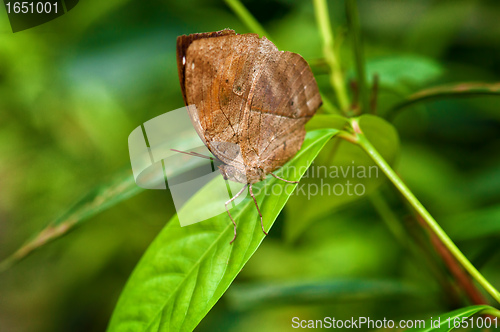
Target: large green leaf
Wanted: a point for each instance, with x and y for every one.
(441, 323)
(319, 195)
(187, 269)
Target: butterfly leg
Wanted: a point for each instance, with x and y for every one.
(277, 177)
(232, 199)
(257, 206)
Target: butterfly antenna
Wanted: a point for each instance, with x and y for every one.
(193, 154)
(277, 177)
(257, 206)
(232, 199)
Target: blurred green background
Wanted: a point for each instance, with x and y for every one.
(72, 90)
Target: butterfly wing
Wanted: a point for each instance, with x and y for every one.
(286, 97)
(183, 43)
(250, 94)
(218, 76)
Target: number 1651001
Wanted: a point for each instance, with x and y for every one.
(479, 322)
(32, 7)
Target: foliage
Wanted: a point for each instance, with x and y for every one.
(73, 89)
(189, 268)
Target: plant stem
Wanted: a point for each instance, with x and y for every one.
(336, 77)
(247, 18)
(355, 30)
(365, 144)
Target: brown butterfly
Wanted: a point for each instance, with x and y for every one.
(252, 102)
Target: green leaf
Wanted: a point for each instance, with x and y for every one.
(399, 76)
(187, 269)
(251, 296)
(446, 91)
(324, 121)
(94, 202)
(308, 203)
(441, 324)
(404, 72)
